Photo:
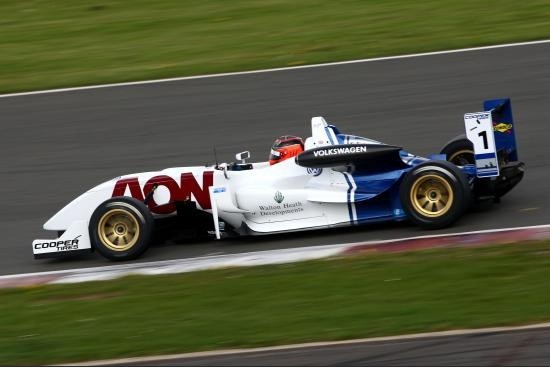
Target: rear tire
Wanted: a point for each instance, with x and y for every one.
(120, 228)
(459, 152)
(435, 194)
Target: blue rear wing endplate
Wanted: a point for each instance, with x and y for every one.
(503, 127)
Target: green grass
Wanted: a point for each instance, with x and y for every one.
(353, 297)
(47, 44)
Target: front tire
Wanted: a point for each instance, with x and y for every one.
(435, 194)
(121, 228)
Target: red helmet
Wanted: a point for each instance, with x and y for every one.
(285, 147)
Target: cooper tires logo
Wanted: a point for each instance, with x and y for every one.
(60, 245)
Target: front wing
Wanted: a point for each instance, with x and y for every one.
(75, 238)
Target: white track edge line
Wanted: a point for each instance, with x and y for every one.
(314, 344)
(166, 80)
(251, 253)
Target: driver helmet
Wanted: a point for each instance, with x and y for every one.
(284, 147)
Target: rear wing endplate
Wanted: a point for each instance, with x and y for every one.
(492, 135)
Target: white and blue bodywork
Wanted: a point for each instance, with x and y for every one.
(338, 180)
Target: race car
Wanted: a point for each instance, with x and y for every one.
(330, 179)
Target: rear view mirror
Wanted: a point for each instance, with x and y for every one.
(243, 156)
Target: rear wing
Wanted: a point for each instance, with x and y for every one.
(492, 134)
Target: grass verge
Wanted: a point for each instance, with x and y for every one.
(332, 299)
(48, 44)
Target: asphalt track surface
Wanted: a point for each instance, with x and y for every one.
(516, 348)
(55, 146)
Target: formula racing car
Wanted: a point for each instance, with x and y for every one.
(330, 179)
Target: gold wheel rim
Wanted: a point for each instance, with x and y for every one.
(455, 157)
(431, 196)
(118, 230)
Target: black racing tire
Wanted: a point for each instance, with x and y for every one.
(435, 194)
(459, 151)
(121, 228)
